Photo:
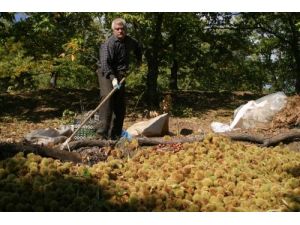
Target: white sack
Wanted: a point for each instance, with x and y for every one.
(155, 127)
(254, 113)
(49, 136)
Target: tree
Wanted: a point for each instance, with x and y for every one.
(58, 39)
(6, 21)
(284, 27)
(15, 67)
(182, 32)
(204, 51)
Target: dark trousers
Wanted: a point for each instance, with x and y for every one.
(112, 112)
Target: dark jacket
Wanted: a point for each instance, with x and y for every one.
(114, 55)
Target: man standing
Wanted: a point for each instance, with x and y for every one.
(114, 57)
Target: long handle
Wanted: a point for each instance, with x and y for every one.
(91, 114)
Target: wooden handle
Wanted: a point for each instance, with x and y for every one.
(91, 114)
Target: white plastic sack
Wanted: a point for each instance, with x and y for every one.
(155, 127)
(254, 113)
(218, 127)
(262, 110)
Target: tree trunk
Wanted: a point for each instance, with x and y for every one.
(142, 141)
(153, 62)
(9, 149)
(151, 89)
(148, 141)
(173, 79)
(53, 80)
(297, 56)
(174, 70)
(295, 44)
(290, 136)
(89, 143)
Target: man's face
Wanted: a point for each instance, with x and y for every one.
(119, 31)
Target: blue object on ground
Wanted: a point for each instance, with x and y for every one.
(126, 135)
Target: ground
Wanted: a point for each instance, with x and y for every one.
(216, 174)
(26, 111)
(189, 111)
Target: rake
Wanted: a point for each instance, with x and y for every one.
(66, 143)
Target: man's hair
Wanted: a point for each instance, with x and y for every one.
(118, 21)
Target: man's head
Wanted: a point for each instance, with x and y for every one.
(118, 26)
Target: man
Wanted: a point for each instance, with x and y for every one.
(114, 57)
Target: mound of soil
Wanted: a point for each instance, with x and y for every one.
(289, 117)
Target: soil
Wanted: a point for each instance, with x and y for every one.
(190, 112)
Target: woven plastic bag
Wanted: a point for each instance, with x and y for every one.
(261, 111)
(155, 127)
(255, 113)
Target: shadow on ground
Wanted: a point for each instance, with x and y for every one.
(30, 183)
(55, 187)
(44, 104)
(39, 105)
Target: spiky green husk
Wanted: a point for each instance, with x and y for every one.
(214, 175)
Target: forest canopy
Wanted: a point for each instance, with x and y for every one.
(182, 51)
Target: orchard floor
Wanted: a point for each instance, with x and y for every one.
(214, 175)
(23, 112)
(190, 111)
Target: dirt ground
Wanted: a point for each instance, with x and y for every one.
(23, 112)
(190, 112)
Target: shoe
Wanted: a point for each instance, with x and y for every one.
(115, 137)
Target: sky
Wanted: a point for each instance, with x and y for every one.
(20, 16)
(150, 6)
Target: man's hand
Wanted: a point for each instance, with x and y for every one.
(115, 83)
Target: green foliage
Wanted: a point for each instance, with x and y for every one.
(136, 78)
(72, 74)
(204, 51)
(68, 116)
(62, 43)
(15, 67)
(182, 111)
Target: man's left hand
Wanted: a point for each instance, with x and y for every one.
(115, 83)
